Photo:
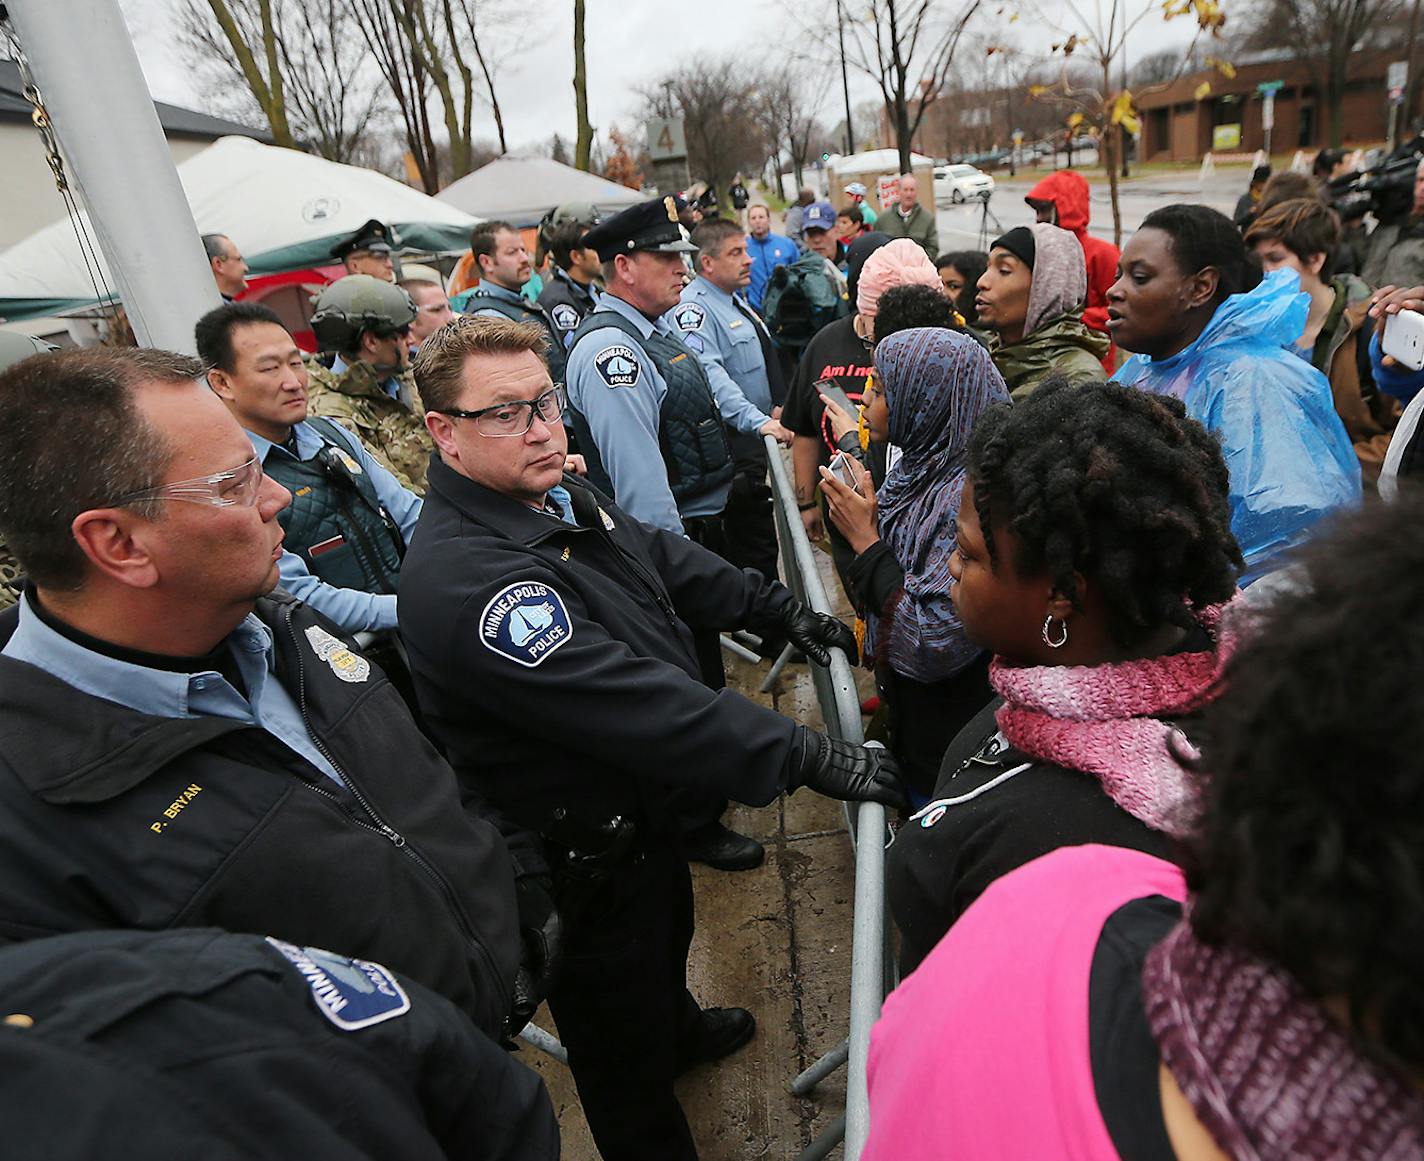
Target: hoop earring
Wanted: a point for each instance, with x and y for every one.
(1049, 641)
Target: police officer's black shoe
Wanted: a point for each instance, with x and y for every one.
(719, 1032)
(723, 849)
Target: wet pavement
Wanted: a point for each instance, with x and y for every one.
(775, 940)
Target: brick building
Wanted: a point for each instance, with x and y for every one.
(1177, 127)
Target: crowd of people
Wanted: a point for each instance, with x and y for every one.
(406, 656)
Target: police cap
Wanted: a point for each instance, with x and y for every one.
(651, 225)
(374, 237)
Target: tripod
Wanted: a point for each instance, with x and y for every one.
(986, 215)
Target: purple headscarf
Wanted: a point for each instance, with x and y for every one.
(936, 383)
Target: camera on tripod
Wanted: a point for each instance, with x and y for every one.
(1386, 189)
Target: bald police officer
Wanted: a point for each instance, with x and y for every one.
(646, 415)
(550, 634)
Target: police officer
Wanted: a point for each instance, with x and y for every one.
(504, 265)
(199, 1043)
(731, 342)
(646, 416)
(365, 323)
(550, 633)
(368, 251)
(572, 292)
(185, 747)
(350, 520)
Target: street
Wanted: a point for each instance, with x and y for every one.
(969, 227)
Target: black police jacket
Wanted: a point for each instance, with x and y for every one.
(199, 1043)
(557, 666)
(114, 818)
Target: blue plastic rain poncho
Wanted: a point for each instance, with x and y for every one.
(1289, 457)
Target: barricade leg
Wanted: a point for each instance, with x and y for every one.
(536, 1037)
(823, 1068)
(826, 1141)
(777, 666)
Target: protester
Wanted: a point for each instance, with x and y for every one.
(1304, 236)
(807, 295)
(909, 219)
(850, 225)
(857, 195)
(228, 265)
(819, 230)
(1287, 186)
(368, 251)
(930, 388)
(364, 322)
(793, 222)
(1031, 297)
(740, 199)
(1061, 199)
(768, 251)
(1208, 329)
(1079, 1009)
(1249, 203)
(1093, 549)
(959, 272)
(432, 309)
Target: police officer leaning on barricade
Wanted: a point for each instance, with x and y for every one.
(646, 416)
(364, 323)
(550, 633)
(350, 520)
(184, 746)
(731, 342)
(191, 1043)
(504, 267)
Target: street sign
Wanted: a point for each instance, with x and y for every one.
(1018, 136)
(667, 141)
(1270, 86)
(1268, 111)
(1226, 137)
(1395, 79)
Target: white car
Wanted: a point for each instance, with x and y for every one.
(959, 183)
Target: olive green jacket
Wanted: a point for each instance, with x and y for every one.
(393, 429)
(1062, 344)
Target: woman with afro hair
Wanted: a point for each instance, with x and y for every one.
(1095, 1004)
(1093, 556)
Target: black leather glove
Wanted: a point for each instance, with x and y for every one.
(541, 940)
(814, 633)
(848, 771)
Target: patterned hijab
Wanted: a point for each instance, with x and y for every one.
(936, 383)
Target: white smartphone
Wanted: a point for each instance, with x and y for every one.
(1403, 339)
(841, 469)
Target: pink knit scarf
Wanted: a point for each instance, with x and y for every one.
(1268, 1072)
(1104, 720)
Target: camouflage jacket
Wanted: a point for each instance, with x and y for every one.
(393, 430)
(12, 577)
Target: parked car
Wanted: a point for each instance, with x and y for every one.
(959, 183)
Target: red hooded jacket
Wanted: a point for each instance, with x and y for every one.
(1069, 192)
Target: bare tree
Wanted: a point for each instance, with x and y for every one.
(716, 105)
(584, 142)
(1324, 35)
(241, 35)
(388, 28)
(790, 95)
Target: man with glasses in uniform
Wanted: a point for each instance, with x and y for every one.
(551, 638)
(185, 746)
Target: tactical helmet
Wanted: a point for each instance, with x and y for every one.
(14, 347)
(355, 304)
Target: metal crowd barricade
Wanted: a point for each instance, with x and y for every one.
(840, 708)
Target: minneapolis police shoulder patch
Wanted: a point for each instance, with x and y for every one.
(351, 993)
(689, 316)
(526, 622)
(618, 365)
(565, 317)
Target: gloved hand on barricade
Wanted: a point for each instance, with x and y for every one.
(541, 940)
(815, 634)
(849, 771)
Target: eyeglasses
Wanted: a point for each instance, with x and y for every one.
(516, 417)
(237, 488)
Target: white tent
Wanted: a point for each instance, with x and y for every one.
(521, 190)
(876, 161)
(283, 209)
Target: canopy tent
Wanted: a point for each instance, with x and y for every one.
(876, 161)
(284, 210)
(521, 190)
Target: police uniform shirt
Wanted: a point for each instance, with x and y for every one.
(388, 385)
(164, 693)
(568, 303)
(618, 391)
(726, 341)
(354, 610)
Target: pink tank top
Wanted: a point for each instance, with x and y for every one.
(983, 1052)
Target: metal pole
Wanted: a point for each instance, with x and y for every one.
(845, 79)
(84, 64)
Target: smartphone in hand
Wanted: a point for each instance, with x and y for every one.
(841, 469)
(1403, 339)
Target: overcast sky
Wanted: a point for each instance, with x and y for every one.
(630, 42)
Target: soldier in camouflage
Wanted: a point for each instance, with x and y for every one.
(13, 348)
(368, 388)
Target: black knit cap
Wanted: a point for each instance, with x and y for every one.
(1019, 243)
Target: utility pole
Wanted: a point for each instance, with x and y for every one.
(845, 79)
(85, 67)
